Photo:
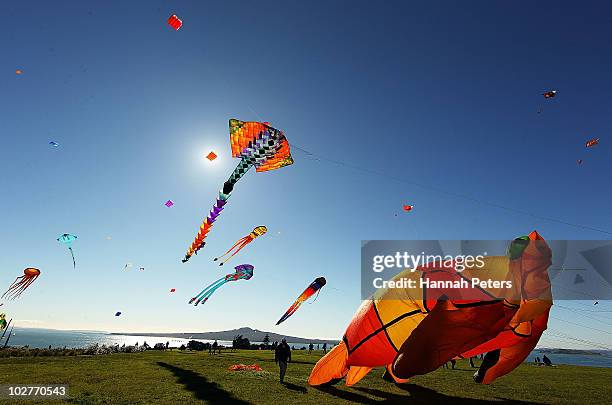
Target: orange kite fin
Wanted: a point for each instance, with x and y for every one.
(355, 374)
(331, 367)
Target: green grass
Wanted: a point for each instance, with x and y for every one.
(196, 377)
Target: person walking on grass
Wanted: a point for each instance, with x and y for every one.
(282, 356)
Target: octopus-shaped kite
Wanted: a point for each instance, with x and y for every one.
(256, 144)
(243, 272)
(314, 287)
(242, 242)
(21, 283)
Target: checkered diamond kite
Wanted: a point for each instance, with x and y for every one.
(256, 144)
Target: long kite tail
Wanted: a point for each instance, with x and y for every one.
(72, 253)
(294, 307)
(305, 295)
(239, 245)
(241, 240)
(18, 286)
(9, 336)
(224, 194)
(205, 293)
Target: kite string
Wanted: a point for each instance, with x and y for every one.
(317, 296)
(451, 193)
(440, 190)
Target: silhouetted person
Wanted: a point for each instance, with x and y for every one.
(214, 347)
(546, 361)
(310, 347)
(324, 347)
(472, 362)
(282, 356)
(167, 345)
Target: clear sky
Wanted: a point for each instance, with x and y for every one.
(443, 94)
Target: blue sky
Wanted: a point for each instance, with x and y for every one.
(439, 94)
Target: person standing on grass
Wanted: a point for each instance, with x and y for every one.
(282, 356)
(310, 346)
(324, 347)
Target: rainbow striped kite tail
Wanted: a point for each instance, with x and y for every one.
(199, 242)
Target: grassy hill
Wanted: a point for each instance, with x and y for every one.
(196, 377)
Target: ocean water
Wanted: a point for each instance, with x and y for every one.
(602, 360)
(42, 338)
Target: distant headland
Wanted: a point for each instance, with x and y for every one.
(253, 335)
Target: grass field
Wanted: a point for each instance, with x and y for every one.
(196, 377)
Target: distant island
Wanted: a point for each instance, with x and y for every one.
(253, 335)
(570, 351)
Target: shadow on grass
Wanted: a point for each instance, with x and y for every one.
(201, 387)
(303, 362)
(295, 387)
(418, 395)
(425, 395)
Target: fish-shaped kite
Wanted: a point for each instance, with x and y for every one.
(256, 144)
(243, 272)
(413, 331)
(242, 242)
(314, 287)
